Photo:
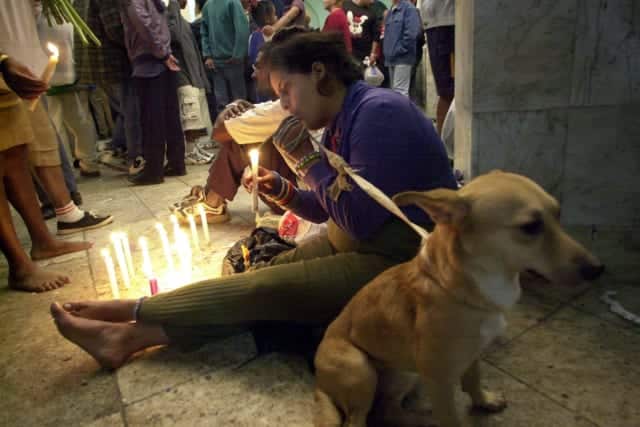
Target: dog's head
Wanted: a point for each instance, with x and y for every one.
(507, 221)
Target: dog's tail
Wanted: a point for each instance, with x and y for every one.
(327, 413)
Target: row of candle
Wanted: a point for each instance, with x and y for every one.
(181, 244)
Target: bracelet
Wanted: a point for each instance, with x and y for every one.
(286, 194)
(305, 163)
(136, 308)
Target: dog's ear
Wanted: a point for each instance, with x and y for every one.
(443, 206)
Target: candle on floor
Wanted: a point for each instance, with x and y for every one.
(205, 224)
(111, 271)
(166, 247)
(147, 268)
(184, 254)
(48, 71)
(122, 263)
(255, 158)
(194, 232)
(127, 253)
(176, 227)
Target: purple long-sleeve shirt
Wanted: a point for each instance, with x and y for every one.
(390, 143)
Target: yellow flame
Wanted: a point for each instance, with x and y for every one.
(104, 252)
(53, 49)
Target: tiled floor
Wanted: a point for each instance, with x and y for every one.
(565, 361)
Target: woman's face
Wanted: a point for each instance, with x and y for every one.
(299, 95)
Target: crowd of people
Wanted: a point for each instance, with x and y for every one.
(245, 74)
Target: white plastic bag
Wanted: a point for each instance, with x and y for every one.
(372, 74)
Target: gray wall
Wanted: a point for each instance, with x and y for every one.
(551, 89)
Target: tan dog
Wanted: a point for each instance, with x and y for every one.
(436, 313)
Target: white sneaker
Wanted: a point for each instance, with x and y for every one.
(137, 165)
(110, 159)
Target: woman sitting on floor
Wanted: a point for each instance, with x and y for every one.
(381, 134)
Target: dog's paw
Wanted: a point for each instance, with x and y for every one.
(490, 402)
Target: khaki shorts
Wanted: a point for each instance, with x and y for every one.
(44, 150)
(15, 128)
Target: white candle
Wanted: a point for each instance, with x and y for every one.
(194, 232)
(111, 271)
(184, 254)
(205, 224)
(255, 158)
(122, 263)
(165, 245)
(176, 228)
(127, 252)
(48, 71)
(147, 268)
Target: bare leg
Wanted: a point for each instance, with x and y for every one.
(53, 181)
(21, 194)
(111, 344)
(23, 273)
(441, 112)
(110, 311)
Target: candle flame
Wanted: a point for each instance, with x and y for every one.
(53, 49)
(254, 155)
(104, 252)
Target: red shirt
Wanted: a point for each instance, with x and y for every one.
(337, 21)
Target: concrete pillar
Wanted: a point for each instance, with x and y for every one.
(551, 89)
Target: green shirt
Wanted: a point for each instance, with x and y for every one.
(225, 30)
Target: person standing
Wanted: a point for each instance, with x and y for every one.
(439, 18)
(337, 21)
(154, 71)
(364, 27)
(225, 41)
(401, 30)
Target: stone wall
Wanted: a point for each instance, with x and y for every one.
(551, 89)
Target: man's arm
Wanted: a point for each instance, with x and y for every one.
(411, 27)
(141, 19)
(109, 16)
(204, 32)
(241, 26)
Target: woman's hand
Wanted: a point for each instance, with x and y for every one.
(269, 182)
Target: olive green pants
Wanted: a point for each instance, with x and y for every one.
(307, 285)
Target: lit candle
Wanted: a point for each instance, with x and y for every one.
(111, 271)
(127, 252)
(122, 263)
(194, 232)
(255, 157)
(147, 268)
(165, 245)
(184, 255)
(205, 224)
(48, 71)
(176, 227)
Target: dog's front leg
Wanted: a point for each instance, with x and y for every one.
(480, 398)
(442, 393)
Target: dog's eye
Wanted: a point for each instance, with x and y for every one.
(533, 228)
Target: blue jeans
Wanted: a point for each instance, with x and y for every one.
(127, 133)
(228, 84)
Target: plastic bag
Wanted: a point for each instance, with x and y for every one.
(372, 74)
(292, 228)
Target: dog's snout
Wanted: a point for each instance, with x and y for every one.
(591, 271)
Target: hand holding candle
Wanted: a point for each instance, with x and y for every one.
(48, 71)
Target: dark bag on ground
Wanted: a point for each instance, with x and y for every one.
(262, 245)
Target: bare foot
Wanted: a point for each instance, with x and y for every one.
(57, 248)
(109, 311)
(104, 341)
(37, 280)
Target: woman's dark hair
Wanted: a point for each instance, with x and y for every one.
(261, 11)
(295, 49)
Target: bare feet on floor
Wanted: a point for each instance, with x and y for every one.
(104, 341)
(109, 311)
(57, 248)
(37, 280)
